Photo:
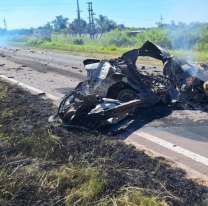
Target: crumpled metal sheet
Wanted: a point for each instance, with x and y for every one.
(89, 105)
(204, 65)
(152, 50)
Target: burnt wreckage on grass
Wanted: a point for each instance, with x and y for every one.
(116, 88)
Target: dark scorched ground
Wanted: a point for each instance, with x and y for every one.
(121, 164)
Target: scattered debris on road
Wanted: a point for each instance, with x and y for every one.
(2, 55)
(204, 65)
(13, 50)
(116, 88)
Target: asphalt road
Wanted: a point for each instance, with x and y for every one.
(179, 135)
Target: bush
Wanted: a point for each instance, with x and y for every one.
(111, 48)
(32, 41)
(117, 38)
(202, 44)
(78, 41)
(35, 41)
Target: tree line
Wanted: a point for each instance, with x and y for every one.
(171, 36)
(61, 24)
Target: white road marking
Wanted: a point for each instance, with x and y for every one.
(38, 91)
(172, 147)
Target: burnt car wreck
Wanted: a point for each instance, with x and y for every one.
(116, 88)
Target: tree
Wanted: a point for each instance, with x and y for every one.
(60, 23)
(159, 24)
(101, 23)
(73, 26)
(46, 26)
(173, 25)
(181, 25)
(110, 25)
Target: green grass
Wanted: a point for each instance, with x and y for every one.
(3, 91)
(11, 112)
(40, 143)
(192, 56)
(132, 196)
(77, 185)
(80, 184)
(69, 46)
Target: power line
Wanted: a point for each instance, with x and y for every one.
(48, 4)
(156, 6)
(56, 8)
(147, 7)
(39, 4)
(119, 17)
(10, 5)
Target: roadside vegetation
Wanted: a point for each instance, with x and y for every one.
(185, 41)
(46, 164)
(189, 41)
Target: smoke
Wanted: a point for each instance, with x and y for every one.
(3, 41)
(203, 75)
(17, 35)
(2, 37)
(184, 37)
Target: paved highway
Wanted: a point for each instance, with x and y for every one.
(179, 135)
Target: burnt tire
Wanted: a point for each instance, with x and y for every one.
(115, 91)
(127, 95)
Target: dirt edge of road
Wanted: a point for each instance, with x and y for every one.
(47, 164)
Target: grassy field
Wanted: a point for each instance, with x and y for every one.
(93, 48)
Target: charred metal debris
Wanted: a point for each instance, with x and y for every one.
(116, 88)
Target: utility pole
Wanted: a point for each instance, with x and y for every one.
(78, 16)
(93, 28)
(91, 20)
(5, 24)
(161, 21)
(90, 23)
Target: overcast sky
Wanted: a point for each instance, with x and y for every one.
(132, 13)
